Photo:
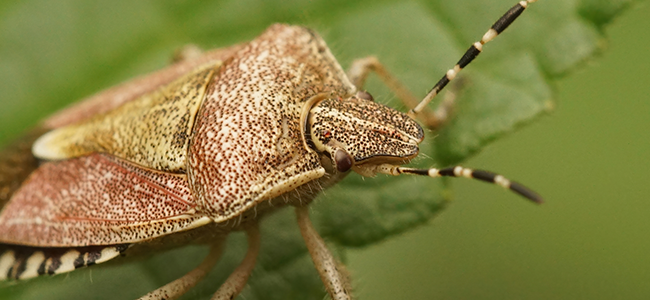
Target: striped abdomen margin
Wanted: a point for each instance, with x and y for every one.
(21, 262)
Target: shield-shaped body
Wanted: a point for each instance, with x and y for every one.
(205, 147)
(131, 165)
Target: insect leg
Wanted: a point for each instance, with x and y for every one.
(500, 25)
(186, 53)
(237, 280)
(358, 74)
(336, 281)
(432, 119)
(181, 285)
(459, 171)
(360, 69)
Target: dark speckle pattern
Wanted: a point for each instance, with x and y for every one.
(247, 145)
(152, 130)
(97, 200)
(365, 129)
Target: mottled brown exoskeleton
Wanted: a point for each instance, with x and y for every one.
(230, 134)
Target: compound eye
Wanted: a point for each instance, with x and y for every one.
(365, 96)
(326, 136)
(343, 161)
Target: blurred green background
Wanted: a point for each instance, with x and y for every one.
(588, 158)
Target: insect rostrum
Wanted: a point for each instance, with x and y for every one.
(223, 138)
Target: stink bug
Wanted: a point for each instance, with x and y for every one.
(206, 147)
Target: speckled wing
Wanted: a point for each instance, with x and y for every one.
(118, 95)
(247, 146)
(152, 130)
(97, 200)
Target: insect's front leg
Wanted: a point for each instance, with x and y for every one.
(331, 271)
(358, 74)
(187, 53)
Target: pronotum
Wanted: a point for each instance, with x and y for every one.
(230, 134)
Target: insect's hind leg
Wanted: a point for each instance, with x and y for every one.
(237, 280)
(331, 271)
(181, 285)
(358, 74)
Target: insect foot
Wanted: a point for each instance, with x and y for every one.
(205, 147)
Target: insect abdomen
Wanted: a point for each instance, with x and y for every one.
(20, 262)
(16, 163)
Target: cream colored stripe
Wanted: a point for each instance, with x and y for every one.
(67, 261)
(6, 261)
(107, 253)
(31, 265)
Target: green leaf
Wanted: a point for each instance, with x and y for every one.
(52, 54)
